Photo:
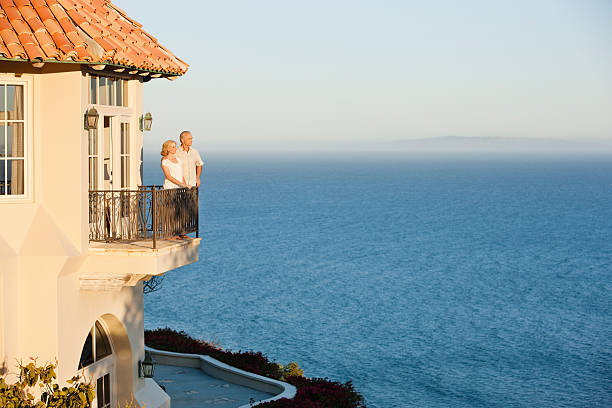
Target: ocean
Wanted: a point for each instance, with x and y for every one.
(428, 281)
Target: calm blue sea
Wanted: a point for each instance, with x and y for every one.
(428, 281)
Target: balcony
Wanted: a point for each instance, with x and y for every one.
(147, 214)
(133, 235)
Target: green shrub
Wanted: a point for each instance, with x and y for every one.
(290, 370)
(19, 395)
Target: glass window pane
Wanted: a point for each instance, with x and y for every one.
(2, 140)
(14, 140)
(103, 91)
(93, 173)
(93, 90)
(125, 92)
(125, 138)
(111, 91)
(107, 389)
(93, 141)
(2, 102)
(14, 102)
(103, 348)
(2, 177)
(14, 176)
(119, 92)
(100, 392)
(125, 172)
(87, 352)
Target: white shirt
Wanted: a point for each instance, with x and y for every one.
(191, 160)
(176, 171)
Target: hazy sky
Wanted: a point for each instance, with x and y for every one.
(343, 74)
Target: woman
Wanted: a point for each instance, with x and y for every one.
(173, 172)
(172, 166)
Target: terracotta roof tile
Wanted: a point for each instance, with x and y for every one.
(5, 24)
(44, 13)
(83, 54)
(75, 38)
(76, 17)
(10, 10)
(29, 15)
(20, 26)
(87, 31)
(3, 50)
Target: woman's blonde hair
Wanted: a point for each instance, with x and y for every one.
(166, 147)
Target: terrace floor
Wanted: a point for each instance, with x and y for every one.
(141, 245)
(192, 388)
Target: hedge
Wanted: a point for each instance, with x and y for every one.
(311, 392)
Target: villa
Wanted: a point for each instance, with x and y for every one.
(79, 233)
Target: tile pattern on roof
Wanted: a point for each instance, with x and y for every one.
(88, 31)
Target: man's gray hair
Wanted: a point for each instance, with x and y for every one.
(183, 133)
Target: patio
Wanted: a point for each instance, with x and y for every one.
(199, 381)
(191, 388)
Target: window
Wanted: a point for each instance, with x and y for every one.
(93, 90)
(119, 93)
(107, 91)
(125, 155)
(93, 159)
(103, 391)
(103, 92)
(97, 346)
(12, 140)
(97, 361)
(110, 91)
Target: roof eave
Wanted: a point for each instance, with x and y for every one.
(162, 74)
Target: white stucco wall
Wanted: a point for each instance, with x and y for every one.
(44, 239)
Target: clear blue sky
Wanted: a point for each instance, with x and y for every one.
(344, 74)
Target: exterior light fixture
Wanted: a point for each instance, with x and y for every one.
(91, 119)
(145, 122)
(146, 367)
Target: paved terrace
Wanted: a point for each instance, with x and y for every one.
(192, 388)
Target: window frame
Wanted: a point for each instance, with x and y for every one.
(110, 91)
(125, 165)
(27, 139)
(94, 352)
(103, 366)
(95, 157)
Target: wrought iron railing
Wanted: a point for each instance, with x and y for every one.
(147, 213)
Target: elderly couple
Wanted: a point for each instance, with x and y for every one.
(182, 166)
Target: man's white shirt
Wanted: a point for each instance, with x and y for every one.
(190, 160)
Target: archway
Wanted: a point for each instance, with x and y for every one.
(106, 358)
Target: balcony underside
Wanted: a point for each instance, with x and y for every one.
(112, 266)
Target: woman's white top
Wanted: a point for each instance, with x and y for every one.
(176, 171)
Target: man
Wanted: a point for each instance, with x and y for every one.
(192, 162)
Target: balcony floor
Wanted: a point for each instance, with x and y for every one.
(114, 265)
(192, 388)
(143, 245)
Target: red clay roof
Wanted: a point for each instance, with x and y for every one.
(86, 31)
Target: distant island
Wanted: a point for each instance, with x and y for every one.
(499, 144)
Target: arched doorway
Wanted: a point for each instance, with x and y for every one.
(98, 362)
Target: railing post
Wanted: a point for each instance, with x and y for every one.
(154, 217)
(197, 209)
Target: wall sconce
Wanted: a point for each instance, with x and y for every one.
(145, 122)
(147, 366)
(91, 119)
